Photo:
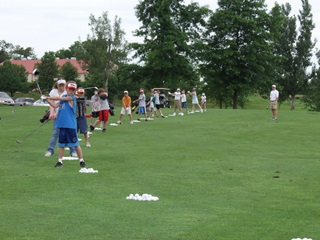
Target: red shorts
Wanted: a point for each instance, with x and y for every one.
(104, 115)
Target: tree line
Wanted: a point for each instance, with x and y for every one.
(241, 48)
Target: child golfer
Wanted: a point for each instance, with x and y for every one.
(82, 125)
(104, 110)
(66, 122)
(126, 107)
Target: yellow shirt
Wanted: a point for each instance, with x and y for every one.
(126, 101)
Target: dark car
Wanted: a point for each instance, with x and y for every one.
(6, 99)
(24, 101)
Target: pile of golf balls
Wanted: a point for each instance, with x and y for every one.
(144, 197)
(88, 170)
(301, 239)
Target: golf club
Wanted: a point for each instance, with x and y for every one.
(36, 73)
(30, 133)
(91, 87)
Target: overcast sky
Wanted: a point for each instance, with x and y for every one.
(53, 25)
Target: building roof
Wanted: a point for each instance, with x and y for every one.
(30, 64)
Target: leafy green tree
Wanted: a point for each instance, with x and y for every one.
(311, 97)
(237, 53)
(64, 53)
(104, 50)
(13, 77)
(169, 29)
(20, 53)
(295, 47)
(49, 70)
(69, 72)
(5, 50)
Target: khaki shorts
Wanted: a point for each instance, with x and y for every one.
(273, 105)
(177, 103)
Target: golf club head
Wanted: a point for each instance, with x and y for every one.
(19, 141)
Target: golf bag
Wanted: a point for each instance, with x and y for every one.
(45, 116)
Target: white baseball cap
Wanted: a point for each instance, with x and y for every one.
(273, 85)
(61, 81)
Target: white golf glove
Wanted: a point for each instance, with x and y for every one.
(43, 97)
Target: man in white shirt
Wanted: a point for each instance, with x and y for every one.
(274, 96)
(177, 102)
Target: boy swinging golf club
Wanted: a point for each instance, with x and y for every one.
(66, 122)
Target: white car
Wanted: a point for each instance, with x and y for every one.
(41, 103)
(6, 99)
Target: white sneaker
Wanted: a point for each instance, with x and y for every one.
(48, 154)
(201, 110)
(173, 114)
(182, 114)
(88, 144)
(74, 155)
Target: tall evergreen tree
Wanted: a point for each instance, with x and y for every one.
(295, 46)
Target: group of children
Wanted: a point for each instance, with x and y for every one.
(72, 117)
(153, 106)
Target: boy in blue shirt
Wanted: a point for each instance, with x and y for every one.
(66, 122)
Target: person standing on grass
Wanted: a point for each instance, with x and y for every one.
(274, 96)
(184, 103)
(59, 89)
(157, 103)
(126, 107)
(66, 122)
(95, 106)
(82, 124)
(194, 96)
(177, 101)
(204, 102)
(142, 104)
(151, 103)
(104, 110)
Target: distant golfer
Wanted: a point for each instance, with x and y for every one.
(274, 96)
(142, 104)
(66, 122)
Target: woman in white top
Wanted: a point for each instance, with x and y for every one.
(194, 96)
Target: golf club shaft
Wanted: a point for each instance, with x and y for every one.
(33, 131)
(91, 88)
(38, 87)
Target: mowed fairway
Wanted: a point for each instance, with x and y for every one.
(223, 175)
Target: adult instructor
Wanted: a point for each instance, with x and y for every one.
(274, 96)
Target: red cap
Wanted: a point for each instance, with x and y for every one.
(72, 86)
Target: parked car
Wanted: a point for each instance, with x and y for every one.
(41, 103)
(6, 99)
(24, 101)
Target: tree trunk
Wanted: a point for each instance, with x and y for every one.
(235, 99)
(292, 102)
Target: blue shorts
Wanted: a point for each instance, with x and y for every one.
(142, 110)
(184, 105)
(82, 125)
(68, 137)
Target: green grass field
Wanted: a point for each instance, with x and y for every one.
(223, 175)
